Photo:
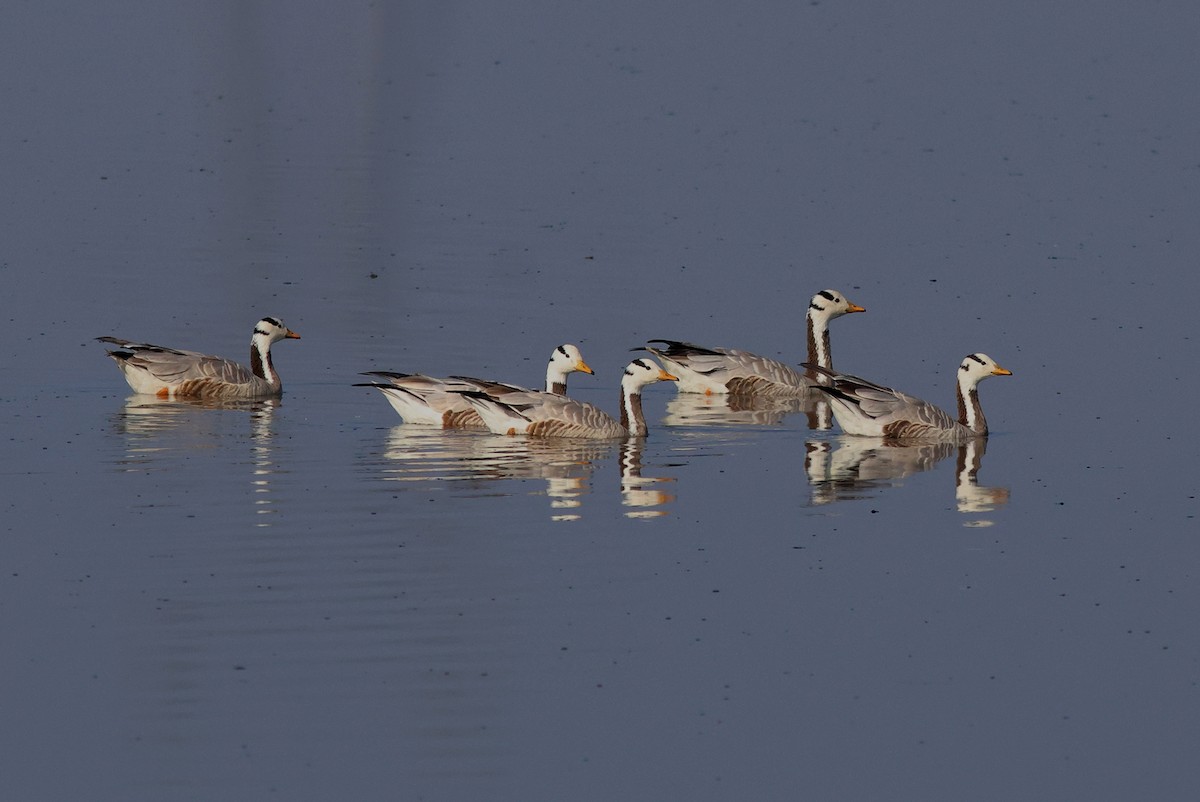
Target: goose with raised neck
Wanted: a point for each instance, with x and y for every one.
(173, 373)
(722, 371)
(865, 408)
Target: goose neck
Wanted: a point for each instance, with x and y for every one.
(632, 418)
(260, 361)
(556, 380)
(970, 411)
(818, 341)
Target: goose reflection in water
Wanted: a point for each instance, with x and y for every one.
(155, 429)
(638, 491)
(422, 454)
(144, 420)
(849, 468)
(971, 497)
(695, 409)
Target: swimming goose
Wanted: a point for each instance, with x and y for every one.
(169, 373)
(549, 415)
(719, 371)
(440, 402)
(864, 408)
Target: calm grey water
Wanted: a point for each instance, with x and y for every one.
(307, 600)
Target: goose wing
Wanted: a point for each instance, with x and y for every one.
(751, 373)
(544, 415)
(172, 366)
(899, 415)
(740, 372)
(421, 384)
(492, 388)
(428, 400)
(412, 382)
(882, 410)
(559, 416)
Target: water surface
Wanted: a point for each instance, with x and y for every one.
(310, 600)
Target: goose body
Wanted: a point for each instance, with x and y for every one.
(728, 371)
(433, 401)
(865, 408)
(550, 415)
(173, 373)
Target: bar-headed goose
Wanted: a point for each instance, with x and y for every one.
(719, 371)
(864, 408)
(170, 373)
(549, 415)
(434, 401)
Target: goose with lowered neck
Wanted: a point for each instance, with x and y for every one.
(728, 371)
(172, 373)
(549, 415)
(432, 401)
(865, 408)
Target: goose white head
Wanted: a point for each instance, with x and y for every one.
(271, 330)
(828, 304)
(641, 372)
(977, 367)
(565, 359)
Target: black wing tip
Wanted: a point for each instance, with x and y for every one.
(476, 394)
(480, 395)
(818, 369)
(682, 348)
(391, 374)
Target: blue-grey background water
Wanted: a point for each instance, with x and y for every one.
(310, 601)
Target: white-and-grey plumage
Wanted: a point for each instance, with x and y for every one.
(720, 371)
(550, 415)
(434, 401)
(172, 373)
(865, 408)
